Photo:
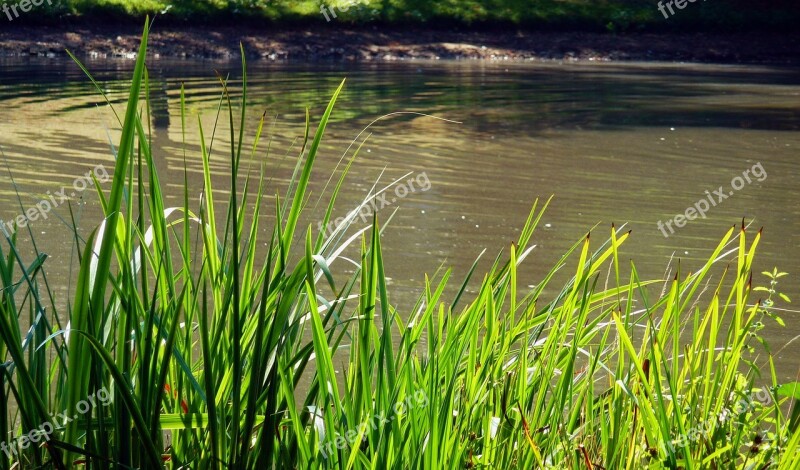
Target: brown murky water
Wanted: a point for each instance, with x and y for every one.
(632, 144)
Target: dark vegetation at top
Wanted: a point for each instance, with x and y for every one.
(588, 15)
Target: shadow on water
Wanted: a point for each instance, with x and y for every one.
(502, 98)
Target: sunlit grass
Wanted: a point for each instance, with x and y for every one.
(202, 332)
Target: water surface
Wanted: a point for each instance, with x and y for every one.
(631, 144)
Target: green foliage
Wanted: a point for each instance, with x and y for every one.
(220, 353)
(610, 15)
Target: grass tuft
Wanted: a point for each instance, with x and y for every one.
(199, 339)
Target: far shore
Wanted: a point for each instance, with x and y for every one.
(374, 43)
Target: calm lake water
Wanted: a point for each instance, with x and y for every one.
(632, 144)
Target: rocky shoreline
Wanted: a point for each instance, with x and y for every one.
(381, 43)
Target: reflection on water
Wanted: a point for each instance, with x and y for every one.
(632, 144)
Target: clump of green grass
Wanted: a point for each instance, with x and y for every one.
(201, 338)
